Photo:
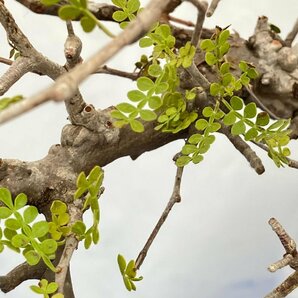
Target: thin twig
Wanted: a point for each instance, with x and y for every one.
(212, 7)
(287, 241)
(116, 72)
(66, 85)
(285, 261)
(71, 243)
(5, 61)
(202, 8)
(198, 76)
(180, 21)
(260, 104)
(292, 34)
(250, 155)
(175, 198)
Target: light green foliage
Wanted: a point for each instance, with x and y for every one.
(77, 9)
(58, 227)
(90, 188)
(21, 234)
(243, 119)
(7, 101)
(128, 272)
(46, 289)
(129, 9)
(157, 96)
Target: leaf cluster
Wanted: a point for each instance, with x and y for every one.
(46, 289)
(128, 11)
(22, 234)
(90, 188)
(128, 272)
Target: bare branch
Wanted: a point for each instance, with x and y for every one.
(180, 21)
(175, 198)
(5, 61)
(202, 8)
(287, 242)
(116, 72)
(19, 274)
(292, 35)
(250, 155)
(212, 7)
(286, 287)
(67, 84)
(285, 261)
(198, 76)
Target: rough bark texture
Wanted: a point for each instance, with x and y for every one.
(92, 140)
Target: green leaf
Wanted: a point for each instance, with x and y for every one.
(133, 5)
(136, 95)
(275, 28)
(130, 269)
(238, 128)
(223, 37)
(145, 42)
(88, 241)
(58, 295)
(8, 233)
(37, 289)
(79, 228)
(144, 83)
(120, 3)
(188, 149)
(20, 201)
(119, 16)
(250, 111)
(52, 288)
(95, 235)
(207, 112)
(195, 138)
(147, 115)
(286, 151)
(118, 115)
(127, 283)
(207, 45)
(32, 257)
(244, 79)
(81, 181)
(154, 70)
(12, 224)
(69, 12)
(5, 212)
(59, 207)
(121, 263)
(49, 246)
(243, 66)
(201, 124)
(136, 125)
(224, 49)
(63, 219)
(30, 214)
(252, 73)
(83, 3)
(251, 134)
(20, 240)
(40, 229)
(215, 127)
(154, 102)
(224, 68)
(197, 159)
(87, 23)
(5, 197)
(227, 79)
(126, 107)
(229, 118)
(210, 59)
(49, 2)
(236, 103)
(262, 119)
(182, 161)
(215, 89)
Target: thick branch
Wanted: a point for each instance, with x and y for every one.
(292, 35)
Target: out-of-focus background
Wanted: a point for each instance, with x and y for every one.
(216, 243)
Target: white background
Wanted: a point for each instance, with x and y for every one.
(216, 242)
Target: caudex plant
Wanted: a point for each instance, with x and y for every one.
(193, 85)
